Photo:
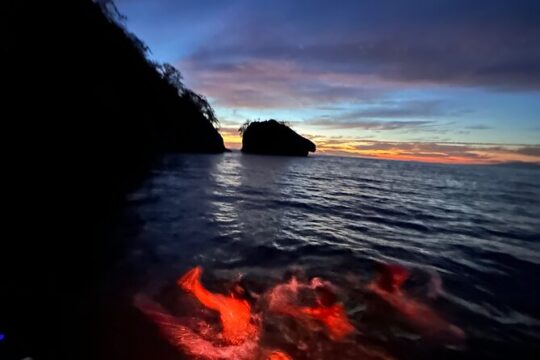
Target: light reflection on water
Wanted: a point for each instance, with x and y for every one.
(477, 226)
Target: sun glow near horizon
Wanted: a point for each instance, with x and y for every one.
(430, 152)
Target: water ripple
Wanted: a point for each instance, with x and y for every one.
(477, 225)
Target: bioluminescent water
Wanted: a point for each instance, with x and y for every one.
(467, 237)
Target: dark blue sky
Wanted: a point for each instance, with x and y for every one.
(422, 78)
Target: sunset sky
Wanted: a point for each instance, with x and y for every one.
(440, 81)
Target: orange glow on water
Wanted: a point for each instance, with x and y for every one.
(333, 317)
(239, 335)
(197, 340)
(303, 317)
(278, 355)
(330, 314)
(235, 314)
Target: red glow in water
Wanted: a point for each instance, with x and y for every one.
(193, 343)
(278, 355)
(387, 285)
(391, 277)
(314, 305)
(327, 311)
(235, 314)
(238, 328)
(333, 317)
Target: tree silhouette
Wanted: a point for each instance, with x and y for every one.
(104, 116)
(244, 126)
(203, 106)
(172, 75)
(111, 11)
(168, 72)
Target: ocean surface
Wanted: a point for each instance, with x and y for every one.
(469, 235)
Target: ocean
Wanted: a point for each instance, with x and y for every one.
(468, 235)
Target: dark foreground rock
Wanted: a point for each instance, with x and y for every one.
(85, 114)
(274, 138)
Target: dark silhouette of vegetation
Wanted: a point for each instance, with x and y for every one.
(172, 75)
(174, 78)
(244, 126)
(273, 137)
(86, 114)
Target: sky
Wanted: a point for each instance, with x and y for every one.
(451, 81)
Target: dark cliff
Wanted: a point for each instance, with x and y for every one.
(84, 114)
(274, 138)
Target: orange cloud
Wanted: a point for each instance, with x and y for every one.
(231, 137)
(456, 153)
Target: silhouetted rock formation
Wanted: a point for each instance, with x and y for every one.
(274, 138)
(84, 116)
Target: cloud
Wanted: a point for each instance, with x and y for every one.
(479, 127)
(529, 151)
(269, 60)
(379, 116)
(404, 109)
(231, 137)
(276, 84)
(429, 151)
(478, 44)
(367, 124)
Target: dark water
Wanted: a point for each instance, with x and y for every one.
(477, 227)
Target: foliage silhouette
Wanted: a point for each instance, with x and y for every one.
(87, 114)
